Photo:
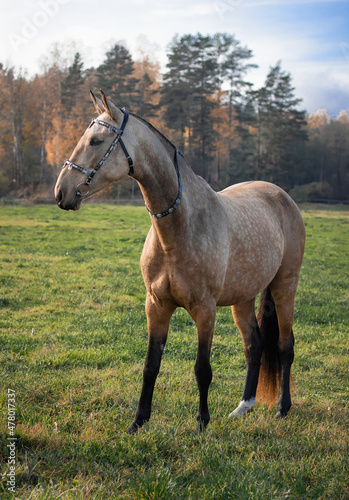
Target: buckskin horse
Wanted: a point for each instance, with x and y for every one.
(204, 249)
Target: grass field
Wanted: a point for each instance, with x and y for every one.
(73, 340)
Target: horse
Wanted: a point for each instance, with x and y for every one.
(204, 249)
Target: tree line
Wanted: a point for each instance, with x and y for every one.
(229, 131)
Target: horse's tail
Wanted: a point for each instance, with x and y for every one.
(270, 371)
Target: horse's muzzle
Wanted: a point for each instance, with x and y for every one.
(59, 197)
(64, 203)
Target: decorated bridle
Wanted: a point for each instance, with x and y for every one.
(91, 173)
(118, 131)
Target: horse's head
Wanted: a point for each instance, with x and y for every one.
(86, 172)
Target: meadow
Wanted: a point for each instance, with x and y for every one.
(73, 341)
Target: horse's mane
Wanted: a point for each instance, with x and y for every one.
(157, 132)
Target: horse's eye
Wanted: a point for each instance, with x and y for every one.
(95, 142)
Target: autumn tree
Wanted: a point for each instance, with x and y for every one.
(204, 103)
(14, 97)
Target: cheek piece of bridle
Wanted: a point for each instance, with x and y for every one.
(91, 173)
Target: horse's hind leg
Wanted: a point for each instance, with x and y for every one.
(284, 305)
(245, 320)
(287, 356)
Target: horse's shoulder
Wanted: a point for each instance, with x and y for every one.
(150, 245)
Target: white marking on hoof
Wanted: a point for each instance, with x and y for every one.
(244, 407)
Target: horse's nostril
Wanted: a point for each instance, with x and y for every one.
(59, 196)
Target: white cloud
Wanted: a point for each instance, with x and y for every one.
(299, 42)
(199, 9)
(323, 86)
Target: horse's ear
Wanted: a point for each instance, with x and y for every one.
(110, 107)
(97, 103)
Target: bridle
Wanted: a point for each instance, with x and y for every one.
(91, 173)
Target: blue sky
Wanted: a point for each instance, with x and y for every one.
(310, 37)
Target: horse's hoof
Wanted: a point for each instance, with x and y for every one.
(200, 427)
(280, 416)
(243, 408)
(133, 428)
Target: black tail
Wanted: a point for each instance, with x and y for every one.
(270, 371)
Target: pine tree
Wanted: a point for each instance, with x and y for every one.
(146, 94)
(206, 84)
(234, 63)
(189, 85)
(281, 128)
(176, 89)
(114, 76)
(71, 85)
(199, 68)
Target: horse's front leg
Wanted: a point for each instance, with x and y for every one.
(158, 316)
(205, 320)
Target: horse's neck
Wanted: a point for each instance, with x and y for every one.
(158, 181)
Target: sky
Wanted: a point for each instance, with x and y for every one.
(310, 37)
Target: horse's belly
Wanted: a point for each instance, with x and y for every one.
(242, 286)
(251, 269)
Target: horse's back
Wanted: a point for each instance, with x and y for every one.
(266, 199)
(267, 226)
(270, 205)
(258, 190)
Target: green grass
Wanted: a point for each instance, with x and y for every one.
(73, 340)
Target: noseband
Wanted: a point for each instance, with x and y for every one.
(91, 173)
